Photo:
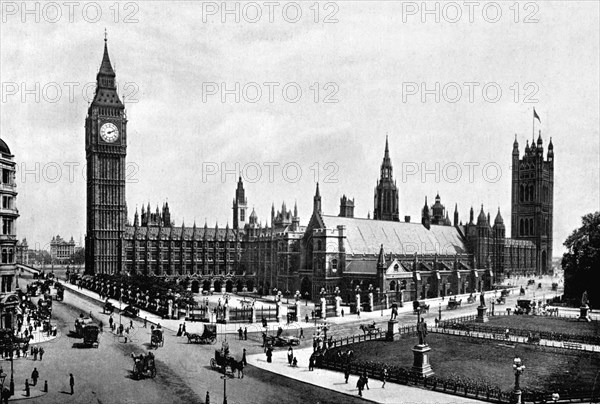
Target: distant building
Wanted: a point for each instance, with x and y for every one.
(61, 250)
(8, 238)
(23, 252)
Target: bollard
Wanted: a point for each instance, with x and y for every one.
(26, 387)
(45, 386)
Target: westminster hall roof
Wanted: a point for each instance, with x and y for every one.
(365, 236)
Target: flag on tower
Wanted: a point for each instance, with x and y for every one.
(536, 116)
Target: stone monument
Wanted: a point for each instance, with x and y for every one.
(482, 309)
(584, 309)
(421, 363)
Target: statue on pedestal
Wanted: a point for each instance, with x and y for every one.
(584, 299)
(422, 332)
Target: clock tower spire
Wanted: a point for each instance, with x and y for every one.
(106, 150)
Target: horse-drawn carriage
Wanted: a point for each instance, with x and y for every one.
(130, 311)
(108, 307)
(80, 324)
(157, 338)
(209, 335)
(222, 361)
(453, 303)
(370, 328)
(60, 292)
(143, 366)
(524, 306)
(91, 335)
(420, 307)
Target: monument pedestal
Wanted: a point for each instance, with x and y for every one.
(584, 313)
(421, 364)
(392, 330)
(482, 314)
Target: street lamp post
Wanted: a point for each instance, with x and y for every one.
(12, 374)
(224, 377)
(519, 368)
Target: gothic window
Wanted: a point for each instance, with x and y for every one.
(531, 193)
(521, 230)
(334, 265)
(521, 193)
(4, 256)
(242, 215)
(531, 227)
(319, 245)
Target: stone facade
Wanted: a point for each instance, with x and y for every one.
(8, 237)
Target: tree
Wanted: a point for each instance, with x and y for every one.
(582, 261)
(78, 257)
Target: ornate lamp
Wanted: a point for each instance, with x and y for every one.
(519, 368)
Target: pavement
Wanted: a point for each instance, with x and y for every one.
(232, 328)
(392, 393)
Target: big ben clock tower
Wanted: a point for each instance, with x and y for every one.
(106, 149)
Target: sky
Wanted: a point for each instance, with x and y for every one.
(290, 93)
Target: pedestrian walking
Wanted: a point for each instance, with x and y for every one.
(311, 362)
(183, 330)
(269, 354)
(360, 384)
(347, 373)
(301, 333)
(71, 382)
(384, 377)
(179, 331)
(207, 401)
(110, 321)
(290, 355)
(358, 312)
(35, 376)
(245, 334)
(343, 316)
(145, 322)
(131, 324)
(244, 358)
(240, 333)
(312, 314)
(306, 318)
(35, 353)
(366, 379)
(41, 353)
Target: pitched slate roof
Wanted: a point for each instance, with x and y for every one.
(365, 236)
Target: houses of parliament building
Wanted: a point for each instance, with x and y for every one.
(433, 257)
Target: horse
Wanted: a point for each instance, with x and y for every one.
(193, 337)
(237, 365)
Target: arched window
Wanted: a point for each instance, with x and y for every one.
(521, 230)
(531, 193)
(521, 193)
(319, 245)
(11, 256)
(334, 265)
(531, 227)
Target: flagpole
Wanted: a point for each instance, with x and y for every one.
(533, 124)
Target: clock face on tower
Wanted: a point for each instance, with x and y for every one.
(109, 132)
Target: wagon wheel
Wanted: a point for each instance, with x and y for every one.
(213, 363)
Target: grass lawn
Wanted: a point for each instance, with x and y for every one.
(542, 323)
(484, 359)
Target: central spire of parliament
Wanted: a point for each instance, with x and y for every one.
(386, 191)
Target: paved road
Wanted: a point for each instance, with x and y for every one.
(184, 374)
